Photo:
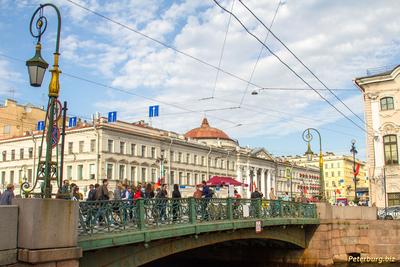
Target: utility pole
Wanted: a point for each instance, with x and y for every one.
(354, 151)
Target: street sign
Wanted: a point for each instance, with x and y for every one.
(112, 116)
(72, 122)
(258, 227)
(40, 126)
(57, 111)
(55, 136)
(153, 111)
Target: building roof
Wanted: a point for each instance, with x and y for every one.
(206, 132)
(388, 74)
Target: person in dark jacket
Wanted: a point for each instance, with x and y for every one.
(92, 193)
(176, 195)
(7, 195)
(255, 203)
(207, 194)
(162, 201)
(149, 192)
(102, 191)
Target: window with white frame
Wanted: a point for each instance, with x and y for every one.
(110, 146)
(121, 172)
(79, 172)
(110, 169)
(93, 145)
(69, 172)
(92, 171)
(122, 147)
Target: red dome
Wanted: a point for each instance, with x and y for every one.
(206, 132)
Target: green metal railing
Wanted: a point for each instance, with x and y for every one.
(135, 215)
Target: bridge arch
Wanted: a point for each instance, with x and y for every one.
(139, 254)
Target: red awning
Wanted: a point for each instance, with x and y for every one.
(223, 180)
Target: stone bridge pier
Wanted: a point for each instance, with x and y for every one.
(345, 232)
(40, 233)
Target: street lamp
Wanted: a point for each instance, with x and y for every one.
(307, 137)
(36, 69)
(354, 151)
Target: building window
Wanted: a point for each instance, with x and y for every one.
(69, 172)
(172, 177)
(339, 173)
(7, 129)
(333, 174)
(13, 154)
(153, 152)
(203, 177)
(188, 158)
(188, 179)
(81, 145)
(196, 179)
(80, 172)
(203, 161)
(110, 168)
(222, 164)
(143, 175)
(122, 147)
(133, 149)
(326, 165)
(30, 152)
(11, 177)
(143, 151)
(110, 146)
(180, 157)
(153, 175)
(338, 165)
(92, 171)
(93, 145)
(3, 178)
(180, 177)
(133, 174)
(70, 147)
(121, 172)
(216, 162)
(390, 148)
(21, 153)
(29, 175)
(387, 103)
(171, 156)
(332, 165)
(326, 174)
(195, 159)
(393, 199)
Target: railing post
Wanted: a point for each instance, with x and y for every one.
(140, 213)
(229, 208)
(281, 207)
(192, 210)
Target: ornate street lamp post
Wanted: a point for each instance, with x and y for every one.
(36, 69)
(354, 151)
(307, 137)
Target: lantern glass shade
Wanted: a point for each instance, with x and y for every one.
(36, 68)
(309, 153)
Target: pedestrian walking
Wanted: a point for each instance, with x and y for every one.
(7, 195)
(102, 191)
(176, 195)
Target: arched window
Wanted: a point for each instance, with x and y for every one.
(390, 148)
(387, 103)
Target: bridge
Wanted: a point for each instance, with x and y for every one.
(140, 232)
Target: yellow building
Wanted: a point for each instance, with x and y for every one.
(16, 120)
(338, 176)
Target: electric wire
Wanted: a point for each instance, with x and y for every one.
(222, 52)
(290, 68)
(254, 109)
(301, 62)
(259, 54)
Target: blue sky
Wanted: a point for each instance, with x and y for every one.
(338, 40)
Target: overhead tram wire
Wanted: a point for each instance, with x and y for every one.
(193, 57)
(301, 62)
(138, 95)
(163, 44)
(290, 68)
(222, 53)
(259, 54)
(303, 118)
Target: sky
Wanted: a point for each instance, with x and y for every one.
(107, 67)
